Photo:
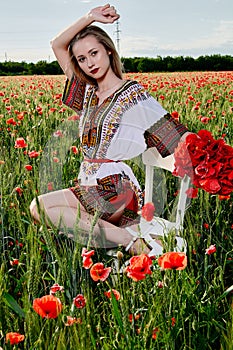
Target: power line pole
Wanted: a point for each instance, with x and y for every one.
(118, 36)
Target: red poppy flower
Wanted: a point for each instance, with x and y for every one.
(99, 273)
(58, 133)
(48, 306)
(57, 96)
(20, 116)
(19, 190)
(139, 267)
(52, 109)
(192, 192)
(114, 292)
(160, 284)
(212, 249)
(208, 162)
(28, 167)
(222, 198)
(56, 288)
(134, 317)
(9, 108)
(205, 120)
(72, 320)
(154, 333)
(50, 186)
(20, 143)
(33, 154)
(86, 255)
(210, 185)
(14, 262)
(14, 338)
(11, 121)
(147, 211)
(173, 260)
(74, 117)
(79, 301)
(74, 149)
(175, 115)
(39, 110)
(173, 320)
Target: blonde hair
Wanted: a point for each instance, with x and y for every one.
(103, 38)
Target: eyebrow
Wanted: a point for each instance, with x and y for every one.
(88, 52)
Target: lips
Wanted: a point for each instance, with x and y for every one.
(94, 71)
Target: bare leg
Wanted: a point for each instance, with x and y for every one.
(61, 207)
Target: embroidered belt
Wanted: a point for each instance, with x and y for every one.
(99, 160)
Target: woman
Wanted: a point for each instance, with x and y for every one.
(119, 120)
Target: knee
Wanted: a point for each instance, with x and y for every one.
(34, 209)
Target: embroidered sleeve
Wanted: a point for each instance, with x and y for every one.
(74, 92)
(165, 135)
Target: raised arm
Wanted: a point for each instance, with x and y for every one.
(60, 44)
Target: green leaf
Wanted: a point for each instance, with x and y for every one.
(26, 221)
(12, 303)
(228, 290)
(117, 314)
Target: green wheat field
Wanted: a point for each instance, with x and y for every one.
(189, 309)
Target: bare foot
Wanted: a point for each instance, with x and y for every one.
(141, 247)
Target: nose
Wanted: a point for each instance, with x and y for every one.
(90, 62)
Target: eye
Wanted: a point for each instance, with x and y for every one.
(94, 53)
(81, 59)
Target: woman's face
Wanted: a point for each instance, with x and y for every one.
(92, 57)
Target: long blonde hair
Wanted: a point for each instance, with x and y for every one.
(103, 38)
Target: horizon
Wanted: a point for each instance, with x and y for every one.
(124, 57)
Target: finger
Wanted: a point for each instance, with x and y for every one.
(105, 7)
(109, 10)
(111, 14)
(114, 18)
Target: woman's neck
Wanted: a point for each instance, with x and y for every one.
(109, 87)
(104, 94)
(108, 82)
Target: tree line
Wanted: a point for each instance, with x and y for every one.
(136, 64)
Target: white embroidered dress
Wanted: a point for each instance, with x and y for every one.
(121, 128)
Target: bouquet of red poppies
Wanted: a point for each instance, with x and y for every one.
(208, 162)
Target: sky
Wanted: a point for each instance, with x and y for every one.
(148, 28)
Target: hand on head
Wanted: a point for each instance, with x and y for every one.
(104, 14)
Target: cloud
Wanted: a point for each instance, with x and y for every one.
(219, 39)
(221, 36)
(138, 46)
